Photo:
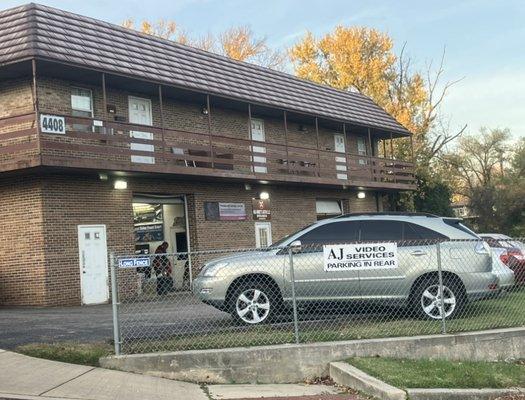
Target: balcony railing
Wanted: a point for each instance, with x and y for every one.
(90, 143)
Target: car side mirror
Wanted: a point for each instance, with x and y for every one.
(296, 246)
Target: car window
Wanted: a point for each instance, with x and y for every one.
(455, 223)
(382, 230)
(335, 232)
(418, 232)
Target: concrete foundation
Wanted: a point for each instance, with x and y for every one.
(295, 363)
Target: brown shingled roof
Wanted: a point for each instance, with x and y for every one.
(43, 32)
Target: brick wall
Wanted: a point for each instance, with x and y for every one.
(40, 265)
(22, 251)
(16, 97)
(18, 136)
(55, 97)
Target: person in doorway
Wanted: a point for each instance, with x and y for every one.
(162, 269)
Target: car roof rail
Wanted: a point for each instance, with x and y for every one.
(390, 213)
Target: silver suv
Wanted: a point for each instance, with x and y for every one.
(256, 286)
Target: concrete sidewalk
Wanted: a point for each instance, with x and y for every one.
(28, 378)
(23, 376)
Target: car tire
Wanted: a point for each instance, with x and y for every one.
(426, 302)
(254, 303)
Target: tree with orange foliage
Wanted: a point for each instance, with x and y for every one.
(238, 43)
(362, 59)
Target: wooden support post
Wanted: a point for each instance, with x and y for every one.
(210, 135)
(346, 150)
(412, 147)
(392, 151)
(391, 146)
(36, 108)
(370, 153)
(104, 100)
(318, 148)
(251, 137)
(161, 106)
(286, 141)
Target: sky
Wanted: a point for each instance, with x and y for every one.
(484, 39)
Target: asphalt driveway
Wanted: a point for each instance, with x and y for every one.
(182, 313)
(29, 325)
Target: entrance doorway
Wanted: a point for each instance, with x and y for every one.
(258, 135)
(140, 113)
(162, 218)
(93, 256)
(340, 160)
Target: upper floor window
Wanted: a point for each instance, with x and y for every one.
(81, 102)
(361, 146)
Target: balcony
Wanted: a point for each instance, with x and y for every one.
(117, 146)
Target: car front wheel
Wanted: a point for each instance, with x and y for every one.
(253, 303)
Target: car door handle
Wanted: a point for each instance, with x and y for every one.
(418, 253)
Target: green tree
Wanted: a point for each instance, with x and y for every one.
(488, 171)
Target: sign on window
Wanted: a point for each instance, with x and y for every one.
(348, 257)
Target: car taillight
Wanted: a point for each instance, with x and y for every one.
(504, 257)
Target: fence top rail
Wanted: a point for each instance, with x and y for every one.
(519, 242)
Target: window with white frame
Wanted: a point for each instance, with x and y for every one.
(361, 146)
(81, 102)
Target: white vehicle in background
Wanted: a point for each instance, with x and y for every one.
(508, 258)
(504, 273)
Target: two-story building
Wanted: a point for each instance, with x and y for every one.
(112, 140)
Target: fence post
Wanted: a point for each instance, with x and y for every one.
(441, 292)
(294, 300)
(115, 303)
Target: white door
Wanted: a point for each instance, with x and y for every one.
(93, 256)
(361, 149)
(140, 113)
(340, 161)
(263, 234)
(258, 135)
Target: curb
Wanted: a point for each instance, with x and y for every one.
(348, 375)
(461, 394)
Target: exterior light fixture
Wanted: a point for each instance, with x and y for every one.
(247, 186)
(264, 195)
(361, 195)
(120, 184)
(205, 111)
(103, 177)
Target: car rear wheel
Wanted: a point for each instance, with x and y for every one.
(431, 303)
(253, 303)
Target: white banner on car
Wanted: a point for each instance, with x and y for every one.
(348, 257)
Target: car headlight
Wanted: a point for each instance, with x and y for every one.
(213, 269)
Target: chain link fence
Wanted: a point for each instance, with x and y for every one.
(315, 292)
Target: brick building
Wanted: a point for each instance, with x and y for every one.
(111, 140)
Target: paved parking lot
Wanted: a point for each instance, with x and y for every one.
(22, 325)
(29, 325)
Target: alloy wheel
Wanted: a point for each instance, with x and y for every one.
(432, 305)
(253, 306)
